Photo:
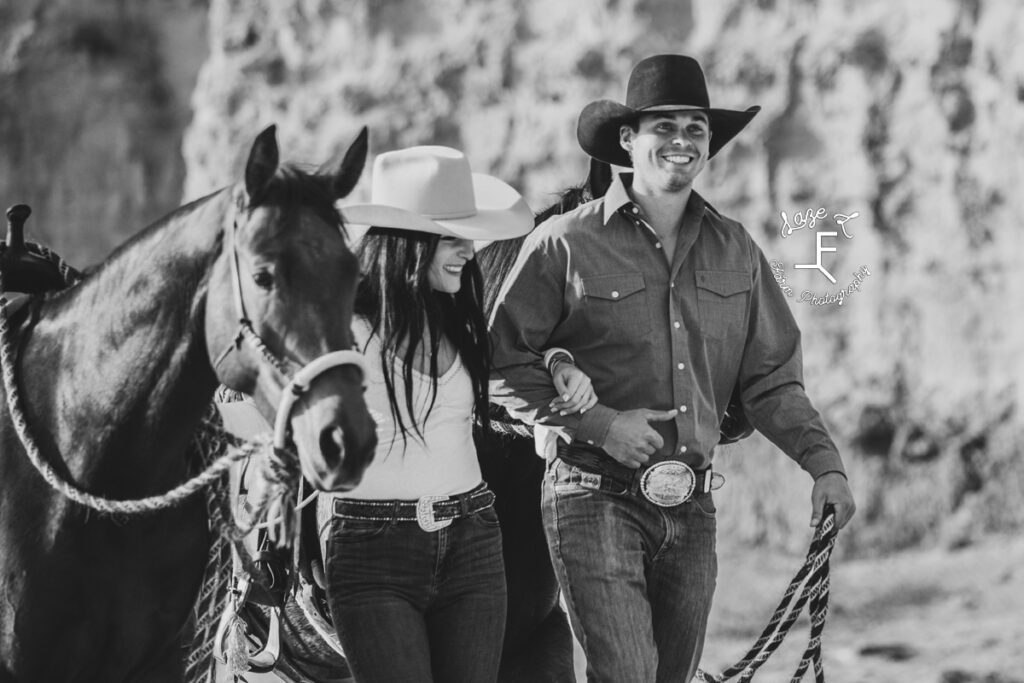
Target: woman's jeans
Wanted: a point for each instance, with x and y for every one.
(637, 578)
(412, 606)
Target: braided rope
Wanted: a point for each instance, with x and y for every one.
(511, 429)
(98, 503)
(281, 365)
(812, 584)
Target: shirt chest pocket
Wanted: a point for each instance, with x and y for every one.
(722, 302)
(618, 302)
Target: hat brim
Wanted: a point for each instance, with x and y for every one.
(599, 123)
(501, 214)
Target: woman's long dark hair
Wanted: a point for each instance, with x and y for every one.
(403, 309)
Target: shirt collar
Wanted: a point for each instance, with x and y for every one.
(617, 197)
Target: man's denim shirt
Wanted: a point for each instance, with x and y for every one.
(649, 335)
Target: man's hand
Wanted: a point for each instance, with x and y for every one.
(631, 440)
(832, 487)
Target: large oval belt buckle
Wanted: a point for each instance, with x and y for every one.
(425, 514)
(668, 483)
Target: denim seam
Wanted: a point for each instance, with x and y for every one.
(567, 590)
(670, 537)
(443, 541)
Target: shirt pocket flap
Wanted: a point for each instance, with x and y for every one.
(723, 282)
(613, 287)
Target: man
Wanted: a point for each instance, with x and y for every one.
(667, 306)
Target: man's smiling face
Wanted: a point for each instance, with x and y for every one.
(669, 149)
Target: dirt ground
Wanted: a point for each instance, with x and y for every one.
(933, 616)
(930, 616)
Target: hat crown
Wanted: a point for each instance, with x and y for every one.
(664, 80)
(430, 180)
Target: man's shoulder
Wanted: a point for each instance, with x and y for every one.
(726, 227)
(720, 221)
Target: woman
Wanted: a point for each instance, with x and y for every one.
(415, 574)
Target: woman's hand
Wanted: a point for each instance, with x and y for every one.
(575, 392)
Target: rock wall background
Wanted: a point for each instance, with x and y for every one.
(94, 100)
(912, 117)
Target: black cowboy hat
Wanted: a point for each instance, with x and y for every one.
(658, 83)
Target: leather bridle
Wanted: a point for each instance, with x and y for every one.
(297, 383)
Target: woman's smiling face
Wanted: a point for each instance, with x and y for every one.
(450, 258)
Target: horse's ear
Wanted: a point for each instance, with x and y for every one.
(600, 178)
(263, 160)
(351, 168)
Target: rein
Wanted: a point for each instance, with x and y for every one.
(812, 584)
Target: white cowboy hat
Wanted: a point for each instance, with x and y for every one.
(431, 189)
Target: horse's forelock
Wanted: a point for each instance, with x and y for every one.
(293, 189)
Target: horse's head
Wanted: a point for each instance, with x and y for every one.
(279, 310)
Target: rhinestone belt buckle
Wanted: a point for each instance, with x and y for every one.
(425, 514)
(668, 483)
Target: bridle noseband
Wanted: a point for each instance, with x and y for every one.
(298, 383)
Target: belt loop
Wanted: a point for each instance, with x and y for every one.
(464, 504)
(394, 511)
(634, 482)
(707, 481)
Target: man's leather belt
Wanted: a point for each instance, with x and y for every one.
(666, 484)
(431, 512)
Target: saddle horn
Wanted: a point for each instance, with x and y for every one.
(23, 270)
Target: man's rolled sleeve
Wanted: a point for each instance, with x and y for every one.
(771, 379)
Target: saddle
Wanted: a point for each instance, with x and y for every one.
(26, 268)
(264, 573)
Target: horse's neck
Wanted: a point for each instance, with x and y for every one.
(118, 363)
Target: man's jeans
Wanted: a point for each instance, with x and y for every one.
(637, 578)
(414, 607)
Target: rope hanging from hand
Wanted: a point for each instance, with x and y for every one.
(98, 503)
(811, 585)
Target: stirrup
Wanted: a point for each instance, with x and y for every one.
(263, 660)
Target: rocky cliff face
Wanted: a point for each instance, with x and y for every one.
(95, 98)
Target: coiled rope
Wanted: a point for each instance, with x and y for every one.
(98, 503)
(812, 584)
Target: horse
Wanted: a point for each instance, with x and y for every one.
(538, 646)
(112, 378)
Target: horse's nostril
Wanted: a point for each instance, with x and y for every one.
(332, 446)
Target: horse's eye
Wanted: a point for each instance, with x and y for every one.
(264, 279)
